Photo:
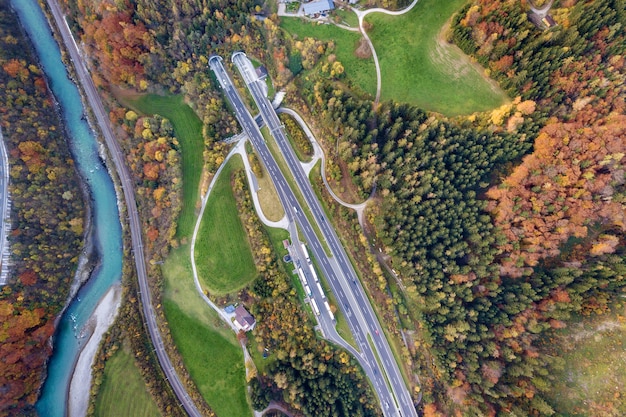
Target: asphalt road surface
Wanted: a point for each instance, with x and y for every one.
(4, 212)
(129, 195)
(356, 298)
(337, 269)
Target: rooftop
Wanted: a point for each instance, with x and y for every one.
(317, 6)
(244, 320)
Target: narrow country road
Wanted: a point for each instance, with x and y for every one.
(101, 115)
(361, 15)
(540, 10)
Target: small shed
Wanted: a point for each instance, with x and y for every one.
(261, 72)
(548, 21)
(244, 320)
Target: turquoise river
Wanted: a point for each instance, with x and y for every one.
(107, 234)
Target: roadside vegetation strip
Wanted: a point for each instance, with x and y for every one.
(188, 129)
(276, 237)
(419, 67)
(267, 195)
(127, 399)
(297, 138)
(215, 362)
(359, 71)
(222, 253)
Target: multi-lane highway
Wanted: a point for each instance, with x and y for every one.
(5, 214)
(353, 294)
(133, 216)
(337, 269)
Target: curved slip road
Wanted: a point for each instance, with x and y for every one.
(131, 205)
(359, 208)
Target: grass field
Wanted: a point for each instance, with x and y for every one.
(594, 376)
(268, 198)
(346, 17)
(223, 255)
(181, 290)
(185, 310)
(276, 237)
(418, 68)
(188, 129)
(123, 392)
(361, 72)
(214, 362)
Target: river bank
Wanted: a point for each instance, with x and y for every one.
(102, 318)
(105, 231)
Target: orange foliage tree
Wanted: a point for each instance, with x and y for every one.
(564, 187)
(121, 45)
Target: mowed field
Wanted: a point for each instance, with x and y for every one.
(123, 392)
(419, 67)
(214, 362)
(223, 255)
(361, 72)
(209, 348)
(188, 130)
(593, 378)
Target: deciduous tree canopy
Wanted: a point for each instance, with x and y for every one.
(44, 243)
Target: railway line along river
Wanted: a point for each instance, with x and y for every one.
(73, 327)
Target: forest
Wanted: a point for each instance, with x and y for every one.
(502, 225)
(497, 252)
(45, 243)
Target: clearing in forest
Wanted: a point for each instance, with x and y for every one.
(593, 377)
(418, 66)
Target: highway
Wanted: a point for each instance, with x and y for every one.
(126, 181)
(352, 297)
(5, 215)
(337, 269)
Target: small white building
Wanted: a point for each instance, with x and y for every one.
(317, 7)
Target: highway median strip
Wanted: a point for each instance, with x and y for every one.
(282, 165)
